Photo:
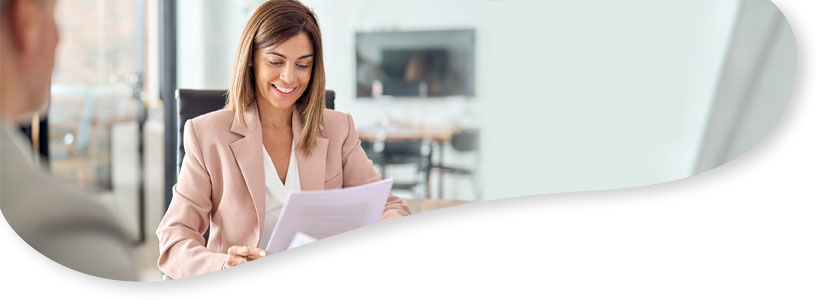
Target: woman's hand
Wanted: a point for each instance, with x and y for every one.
(237, 255)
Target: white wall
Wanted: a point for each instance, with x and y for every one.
(207, 34)
(590, 95)
(565, 104)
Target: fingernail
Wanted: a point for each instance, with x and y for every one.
(263, 253)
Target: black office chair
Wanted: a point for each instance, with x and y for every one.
(414, 152)
(465, 140)
(194, 103)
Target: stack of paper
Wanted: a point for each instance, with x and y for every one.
(321, 214)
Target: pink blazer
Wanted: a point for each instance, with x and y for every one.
(221, 185)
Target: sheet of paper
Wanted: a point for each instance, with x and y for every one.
(321, 214)
(300, 239)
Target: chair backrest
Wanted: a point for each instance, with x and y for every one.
(412, 151)
(465, 140)
(404, 148)
(194, 103)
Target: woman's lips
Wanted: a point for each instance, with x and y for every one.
(283, 91)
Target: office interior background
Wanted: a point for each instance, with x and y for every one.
(455, 99)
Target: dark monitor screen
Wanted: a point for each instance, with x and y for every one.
(415, 64)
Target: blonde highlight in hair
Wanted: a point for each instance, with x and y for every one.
(273, 23)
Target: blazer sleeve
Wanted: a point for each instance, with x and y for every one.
(359, 170)
(182, 252)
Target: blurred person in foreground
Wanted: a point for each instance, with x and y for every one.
(274, 136)
(57, 220)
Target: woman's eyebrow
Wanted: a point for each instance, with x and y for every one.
(284, 57)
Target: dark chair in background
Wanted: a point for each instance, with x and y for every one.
(464, 141)
(414, 152)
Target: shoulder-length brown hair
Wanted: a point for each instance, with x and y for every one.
(273, 23)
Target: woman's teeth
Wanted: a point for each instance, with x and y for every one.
(283, 90)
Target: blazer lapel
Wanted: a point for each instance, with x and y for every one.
(312, 168)
(249, 156)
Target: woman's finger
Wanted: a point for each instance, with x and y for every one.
(251, 253)
(234, 260)
(246, 253)
(239, 250)
(255, 253)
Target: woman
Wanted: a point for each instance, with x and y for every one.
(274, 136)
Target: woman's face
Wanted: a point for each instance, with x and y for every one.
(282, 71)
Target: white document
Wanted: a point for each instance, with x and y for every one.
(300, 239)
(322, 214)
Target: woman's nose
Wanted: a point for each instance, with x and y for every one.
(288, 74)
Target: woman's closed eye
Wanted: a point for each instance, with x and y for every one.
(278, 63)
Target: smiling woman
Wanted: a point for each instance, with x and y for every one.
(279, 82)
(291, 72)
(275, 123)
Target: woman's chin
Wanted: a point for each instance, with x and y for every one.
(281, 104)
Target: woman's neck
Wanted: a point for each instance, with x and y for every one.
(273, 117)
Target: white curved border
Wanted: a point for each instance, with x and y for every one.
(746, 231)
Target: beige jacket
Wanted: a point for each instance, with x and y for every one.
(221, 185)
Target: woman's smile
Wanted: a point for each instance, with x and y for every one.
(284, 91)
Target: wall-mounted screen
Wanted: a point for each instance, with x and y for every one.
(421, 64)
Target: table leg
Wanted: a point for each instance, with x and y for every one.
(430, 163)
(440, 145)
(440, 172)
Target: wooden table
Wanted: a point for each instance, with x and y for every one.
(438, 135)
(405, 132)
(423, 205)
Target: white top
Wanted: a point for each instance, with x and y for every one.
(276, 193)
